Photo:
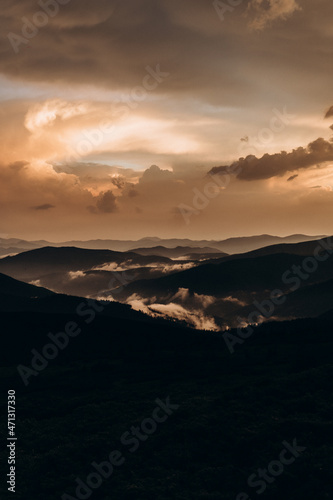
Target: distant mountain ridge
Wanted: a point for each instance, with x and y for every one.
(304, 249)
(229, 246)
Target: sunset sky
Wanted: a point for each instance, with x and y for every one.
(115, 114)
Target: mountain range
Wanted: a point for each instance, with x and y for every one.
(107, 379)
(214, 293)
(229, 246)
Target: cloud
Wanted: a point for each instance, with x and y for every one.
(118, 267)
(177, 267)
(234, 300)
(75, 274)
(329, 113)
(178, 312)
(18, 165)
(156, 174)
(292, 177)
(87, 36)
(197, 300)
(266, 11)
(72, 77)
(132, 193)
(46, 206)
(34, 185)
(119, 181)
(98, 177)
(45, 114)
(106, 203)
(35, 282)
(253, 168)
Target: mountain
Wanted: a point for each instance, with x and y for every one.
(85, 272)
(241, 274)
(35, 263)
(310, 301)
(224, 290)
(4, 252)
(15, 289)
(22, 244)
(17, 296)
(22, 297)
(122, 366)
(302, 248)
(247, 244)
(175, 253)
(207, 294)
(211, 294)
(110, 378)
(229, 246)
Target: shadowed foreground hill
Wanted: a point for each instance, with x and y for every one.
(15, 288)
(234, 410)
(16, 296)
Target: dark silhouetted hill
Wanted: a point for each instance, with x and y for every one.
(174, 253)
(36, 263)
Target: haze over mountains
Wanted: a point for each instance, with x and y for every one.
(84, 272)
(230, 245)
(181, 252)
(205, 289)
(224, 291)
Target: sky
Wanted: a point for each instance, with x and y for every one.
(171, 118)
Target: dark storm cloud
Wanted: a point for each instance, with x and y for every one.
(106, 203)
(292, 178)
(252, 168)
(46, 206)
(119, 181)
(111, 43)
(225, 80)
